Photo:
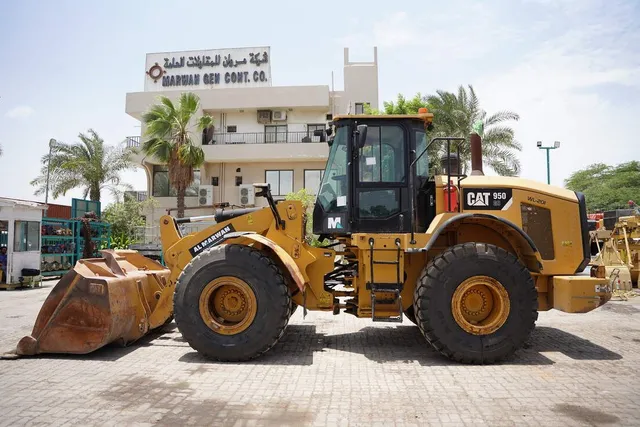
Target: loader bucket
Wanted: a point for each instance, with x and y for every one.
(118, 298)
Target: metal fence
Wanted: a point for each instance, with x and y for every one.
(224, 138)
(281, 137)
(151, 235)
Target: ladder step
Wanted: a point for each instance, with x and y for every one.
(386, 262)
(385, 287)
(386, 301)
(388, 319)
(386, 290)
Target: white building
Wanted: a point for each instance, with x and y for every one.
(261, 133)
(20, 222)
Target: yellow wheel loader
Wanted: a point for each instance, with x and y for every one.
(471, 260)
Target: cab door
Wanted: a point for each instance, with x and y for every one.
(381, 200)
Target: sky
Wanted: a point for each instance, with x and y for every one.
(569, 68)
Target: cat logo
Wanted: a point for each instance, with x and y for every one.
(478, 199)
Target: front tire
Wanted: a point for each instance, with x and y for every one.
(231, 303)
(476, 303)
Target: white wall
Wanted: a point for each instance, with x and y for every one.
(276, 97)
(360, 82)
(227, 191)
(247, 121)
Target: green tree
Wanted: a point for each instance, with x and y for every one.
(90, 165)
(170, 140)
(607, 187)
(455, 115)
(125, 217)
(308, 200)
(401, 106)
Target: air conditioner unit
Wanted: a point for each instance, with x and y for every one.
(264, 116)
(247, 196)
(205, 195)
(279, 116)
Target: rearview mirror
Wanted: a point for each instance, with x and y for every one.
(361, 135)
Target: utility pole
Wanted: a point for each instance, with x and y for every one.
(556, 144)
(46, 192)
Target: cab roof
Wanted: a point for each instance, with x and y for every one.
(423, 116)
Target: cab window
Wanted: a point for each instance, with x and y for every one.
(422, 165)
(382, 157)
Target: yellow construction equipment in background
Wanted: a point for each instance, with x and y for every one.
(470, 259)
(619, 256)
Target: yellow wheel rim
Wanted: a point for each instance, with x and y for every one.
(480, 305)
(228, 305)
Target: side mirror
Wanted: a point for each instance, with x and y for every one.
(330, 141)
(361, 135)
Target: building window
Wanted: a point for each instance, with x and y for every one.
(281, 181)
(312, 127)
(312, 179)
(275, 133)
(161, 187)
(26, 236)
(359, 108)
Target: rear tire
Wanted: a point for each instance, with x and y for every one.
(512, 307)
(260, 290)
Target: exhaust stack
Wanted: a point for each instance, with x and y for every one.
(476, 154)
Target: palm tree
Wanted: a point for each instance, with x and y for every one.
(167, 126)
(90, 165)
(456, 114)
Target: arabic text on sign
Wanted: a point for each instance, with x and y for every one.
(208, 61)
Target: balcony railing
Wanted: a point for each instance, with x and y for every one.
(248, 138)
(262, 138)
(132, 141)
(139, 196)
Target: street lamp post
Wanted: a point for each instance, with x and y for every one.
(556, 144)
(46, 191)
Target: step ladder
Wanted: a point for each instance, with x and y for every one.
(390, 288)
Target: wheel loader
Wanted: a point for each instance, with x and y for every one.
(469, 259)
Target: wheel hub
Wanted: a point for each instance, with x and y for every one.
(480, 305)
(228, 305)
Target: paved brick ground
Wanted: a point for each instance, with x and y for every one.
(331, 370)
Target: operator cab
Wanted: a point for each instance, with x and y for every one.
(369, 183)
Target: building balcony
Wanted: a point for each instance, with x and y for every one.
(273, 97)
(248, 138)
(265, 146)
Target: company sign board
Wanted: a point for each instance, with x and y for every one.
(208, 69)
